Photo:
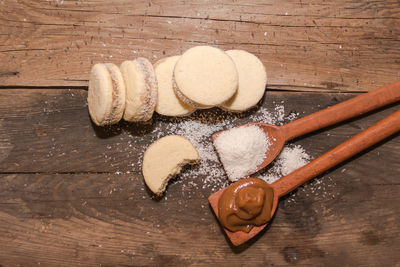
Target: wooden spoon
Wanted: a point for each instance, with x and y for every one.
(346, 150)
(279, 135)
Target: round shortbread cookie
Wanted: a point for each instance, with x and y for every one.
(106, 94)
(252, 81)
(168, 103)
(164, 159)
(205, 76)
(141, 89)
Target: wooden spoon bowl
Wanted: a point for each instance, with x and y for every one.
(238, 238)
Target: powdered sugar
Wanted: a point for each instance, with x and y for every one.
(290, 159)
(242, 150)
(198, 128)
(199, 135)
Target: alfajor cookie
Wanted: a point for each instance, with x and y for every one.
(164, 159)
(141, 89)
(205, 76)
(106, 94)
(168, 103)
(252, 81)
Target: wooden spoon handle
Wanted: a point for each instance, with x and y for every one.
(343, 111)
(351, 147)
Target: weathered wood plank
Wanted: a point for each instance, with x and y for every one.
(103, 219)
(305, 45)
(69, 194)
(51, 131)
(72, 193)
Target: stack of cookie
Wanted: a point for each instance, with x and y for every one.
(202, 77)
(128, 92)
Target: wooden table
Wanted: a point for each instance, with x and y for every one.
(62, 203)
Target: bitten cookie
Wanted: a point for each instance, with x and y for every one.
(205, 76)
(252, 81)
(141, 89)
(106, 94)
(168, 103)
(164, 159)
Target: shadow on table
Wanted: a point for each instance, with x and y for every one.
(133, 128)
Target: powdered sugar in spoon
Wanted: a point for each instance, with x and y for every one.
(279, 135)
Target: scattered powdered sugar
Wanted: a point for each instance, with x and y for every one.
(198, 128)
(265, 116)
(242, 150)
(199, 134)
(290, 159)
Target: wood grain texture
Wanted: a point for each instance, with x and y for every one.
(304, 44)
(72, 193)
(69, 194)
(82, 219)
(45, 129)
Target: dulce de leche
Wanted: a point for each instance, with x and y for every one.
(245, 204)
